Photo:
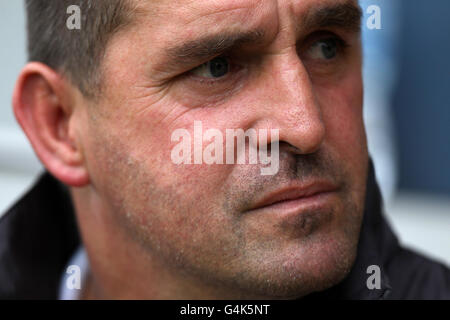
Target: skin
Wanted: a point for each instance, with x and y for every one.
(156, 230)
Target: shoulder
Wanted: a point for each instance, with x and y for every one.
(414, 276)
(37, 237)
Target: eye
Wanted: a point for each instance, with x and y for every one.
(213, 69)
(325, 49)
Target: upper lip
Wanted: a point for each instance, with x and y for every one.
(294, 193)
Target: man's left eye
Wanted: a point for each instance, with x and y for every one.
(326, 49)
(213, 69)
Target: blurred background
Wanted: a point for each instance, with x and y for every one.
(407, 115)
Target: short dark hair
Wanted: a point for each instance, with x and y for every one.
(75, 53)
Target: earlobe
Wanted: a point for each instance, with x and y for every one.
(44, 108)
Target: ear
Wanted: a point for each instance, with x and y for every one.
(44, 107)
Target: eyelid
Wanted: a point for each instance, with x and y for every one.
(322, 35)
(209, 61)
(318, 36)
(233, 69)
(220, 87)
(224, 54)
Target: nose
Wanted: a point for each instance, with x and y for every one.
(288, 103)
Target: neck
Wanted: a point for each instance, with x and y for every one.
(122, 268)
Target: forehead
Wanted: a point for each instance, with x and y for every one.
(182, 19)
(179, 20)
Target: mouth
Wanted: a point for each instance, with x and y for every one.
(315, 194)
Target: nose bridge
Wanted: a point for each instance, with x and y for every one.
(293, 108)
(296, 97)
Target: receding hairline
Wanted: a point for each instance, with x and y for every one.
(76, 54)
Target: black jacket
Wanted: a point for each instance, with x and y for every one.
(38, 235)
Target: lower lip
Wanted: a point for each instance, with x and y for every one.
(297, 206)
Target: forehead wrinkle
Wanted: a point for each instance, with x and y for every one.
(233, 23)
(189, 11)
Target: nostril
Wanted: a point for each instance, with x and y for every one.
(305, 138)
(289, 148)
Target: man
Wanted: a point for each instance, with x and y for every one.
(100, 106)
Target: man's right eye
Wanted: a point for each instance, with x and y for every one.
(216, 68)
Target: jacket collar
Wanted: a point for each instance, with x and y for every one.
(37, 237)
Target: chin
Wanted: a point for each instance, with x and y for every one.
(303, 267)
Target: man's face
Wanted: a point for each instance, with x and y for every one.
(291, 65)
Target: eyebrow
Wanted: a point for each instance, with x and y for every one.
(345, 15)
(211, 45)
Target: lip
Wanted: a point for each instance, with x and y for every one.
(298, 195)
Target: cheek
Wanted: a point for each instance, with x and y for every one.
(163, 203)
(342, 114)
(141, 145)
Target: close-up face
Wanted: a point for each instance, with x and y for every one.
(290, 65)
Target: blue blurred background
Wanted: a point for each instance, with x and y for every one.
(421, 103)
(407, 115)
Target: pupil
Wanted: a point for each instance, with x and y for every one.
(329, 49)
(218, 67)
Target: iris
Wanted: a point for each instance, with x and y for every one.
(218, 67)
(328, 48)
